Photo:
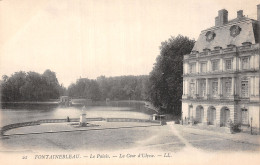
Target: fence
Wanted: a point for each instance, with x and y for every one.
(38, 122)
(130, 120)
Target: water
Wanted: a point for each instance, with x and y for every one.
(121, 109)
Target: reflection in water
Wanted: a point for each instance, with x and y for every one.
(116, 109)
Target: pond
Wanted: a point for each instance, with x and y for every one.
(31, 112)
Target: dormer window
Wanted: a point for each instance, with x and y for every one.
(194, 52)
(231, 46)
(234, 30)
(246, 43)
(217, 47)
(210, 35)
(206, 50)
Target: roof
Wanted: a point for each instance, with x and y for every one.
(222, 35)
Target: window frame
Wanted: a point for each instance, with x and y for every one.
(247, 65)
(215, 94)
(245, 94)
(190, 67)
(212, 64)
(192, 92)
(203, 88)
(228, 90)
(203, 63)
(231, 62)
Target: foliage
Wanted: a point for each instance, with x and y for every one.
(165, 81)
(236, 127)
(123, 87)
(114, 88)
(85, 88)
(30, 86)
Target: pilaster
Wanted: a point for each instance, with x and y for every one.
(218, 116)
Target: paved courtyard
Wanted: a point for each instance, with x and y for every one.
(132, 136)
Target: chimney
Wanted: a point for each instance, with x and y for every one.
(240, 14)
(216, 21)
(222, 16)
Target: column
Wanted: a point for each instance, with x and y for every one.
(234, 62)
(207, 88)
(183, 87)
(233, 86)
(256, 61)
(232, 114)
(209, 66)
(197, 87)
(205, 116)
(197, 66)
(252, 61)
(218, 116)
(185, 70)
(188, 88)
(221, 65)
(219, 87)
(257, 86)
(252, 85)
(239, 64)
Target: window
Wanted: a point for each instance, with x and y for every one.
(244, 88)
(192, 67)
(214, 88)
(192, 89)
(203, 88)
(228, 64)
(203, 67)
(215, 65)
(245, 63)
(228, 88)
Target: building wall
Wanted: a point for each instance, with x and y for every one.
(221, 74)
(234, 101)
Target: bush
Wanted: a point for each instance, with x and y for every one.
(236, 127)
(177, 121)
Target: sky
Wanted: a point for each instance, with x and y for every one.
(89, 38)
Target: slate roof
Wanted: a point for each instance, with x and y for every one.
(222, 35)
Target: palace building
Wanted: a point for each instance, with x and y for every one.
(221, 74)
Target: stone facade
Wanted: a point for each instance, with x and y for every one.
(221, 74)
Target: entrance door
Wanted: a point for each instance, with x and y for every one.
(212, 115)
(245, 116)
(225, 116)
(199, 114)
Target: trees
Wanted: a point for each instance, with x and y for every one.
(10, 86)
(115, 88)
(30, 86)
(165, 81)
(85, 88)
(123, 87)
